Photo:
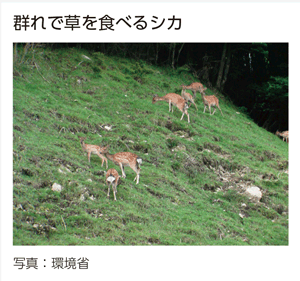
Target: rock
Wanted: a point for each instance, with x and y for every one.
(56, 187)
(254, 193)
(64, 169)
(179, 148)
(107, 128)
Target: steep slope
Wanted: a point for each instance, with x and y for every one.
(193, 176)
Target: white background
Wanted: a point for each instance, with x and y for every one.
(201, 22)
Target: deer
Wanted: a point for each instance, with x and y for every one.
(284, 135)
(92, 149)
(210, 101)
(188, 97)
(112, 179)
(194, 87)
(174, 99)
(124, 159)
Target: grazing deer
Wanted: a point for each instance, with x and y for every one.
(188, 97)
(211, 101)
(124, 159)
(284, 135)
(194, 87)
(92, 149)
(174, 99)
(112, 179)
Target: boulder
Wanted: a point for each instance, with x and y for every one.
(254, 193)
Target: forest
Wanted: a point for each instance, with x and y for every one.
(254, 76)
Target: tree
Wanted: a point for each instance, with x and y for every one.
(221, 69)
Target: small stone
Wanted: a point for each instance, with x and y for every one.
(57, 187)
(254, 193)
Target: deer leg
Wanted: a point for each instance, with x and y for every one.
(137, 177)
(204, 108)
(137, 170)
(108, 190)
(195, 105)
(115, 190)
(103, 159)
(89, 156)
(220, 110)
(122, 169)
(214, 111)
(100, 157)
(182, 116)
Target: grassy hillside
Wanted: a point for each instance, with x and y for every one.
(193, 176)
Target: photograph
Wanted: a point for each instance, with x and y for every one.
(150, 144)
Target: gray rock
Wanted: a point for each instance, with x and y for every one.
(254, 193)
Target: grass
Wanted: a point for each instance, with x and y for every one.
(192, 177)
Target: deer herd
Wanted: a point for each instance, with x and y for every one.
(123, 159)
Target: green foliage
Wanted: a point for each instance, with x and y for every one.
(190, 190)
(271, 93)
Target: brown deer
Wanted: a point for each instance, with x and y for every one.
(188, 97)
(210, 101)
(284, 135)
(174, 99)
(92, 149)
(124, 159)
(112, 179)
(194, 87)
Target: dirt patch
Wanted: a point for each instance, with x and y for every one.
(89, 92)
(31, 115)
(215, 148)
(234, 138)
(212, 188)
(42, 184)
(214, 164)
(27, 172)
(141, 147)
(17, 128)
(170, 125)
(95, 213)
(155, 193)
(154, 241)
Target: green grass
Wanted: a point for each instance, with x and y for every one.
(182, 197)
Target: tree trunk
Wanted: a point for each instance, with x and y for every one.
(228, 58)
(220, 75)
(173, 55)
(156, 53)
(179, 52)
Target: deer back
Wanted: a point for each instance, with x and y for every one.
(211, 100)
(112, 172)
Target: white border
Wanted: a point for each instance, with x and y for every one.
(202, 22)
